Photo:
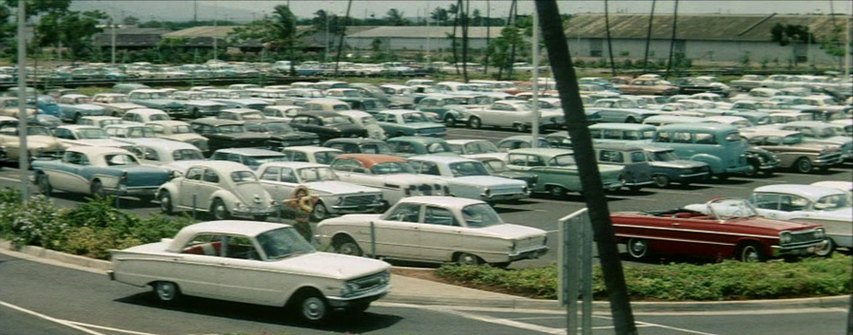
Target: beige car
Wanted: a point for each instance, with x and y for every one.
(793, 152)
(40, 142)
(9, 107)
(434, 229)
(178, 131)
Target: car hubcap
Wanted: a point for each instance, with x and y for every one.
(661, 181)
(348, 248)
(638, 248)
(468, 259)
(313, 308)
(165, 203)
(319, 212)
(750, 254)
(166, 291)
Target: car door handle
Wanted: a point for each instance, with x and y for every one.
(676, 224)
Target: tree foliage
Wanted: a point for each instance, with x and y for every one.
(71, 29)
(787, 33)
(395, 17)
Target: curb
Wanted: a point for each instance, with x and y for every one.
(512, 302)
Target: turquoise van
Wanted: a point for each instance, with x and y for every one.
(718, 145)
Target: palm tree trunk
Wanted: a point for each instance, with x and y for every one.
(599, 214)
(465, 39)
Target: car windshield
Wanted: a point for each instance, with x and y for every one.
(368, 120)
(391, 168)
(278, 128)
(36, 131)
(375, 148)
(833, 202)
(231, 129)
(438, 147)
(92, 134)
(727, 209)
(187, 154)
(495, 166)
(140, 132)
(331, 120)
(414, 117)
(243, 177)
(312, 174)
(326, 157)
(253, 116)
(480, 216)
(182, 129)
(283, 242)
(663, 156)
(562, 160)
(120, 160)
(261, 159)
(462, 169)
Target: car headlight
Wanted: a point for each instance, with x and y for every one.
(348, 289)
(339, 200)
(785, 237)
(820, 233)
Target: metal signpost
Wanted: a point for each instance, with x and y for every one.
(575, 259)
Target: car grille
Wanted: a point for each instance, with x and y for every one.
(529, 243)
(426, 189)
(360, 200)
(802, 237)
(369, 283)
(831, 158)
(506, 190)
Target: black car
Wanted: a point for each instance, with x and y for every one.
(327, 125)
(281, 134)
(359, 146)
(228, 134)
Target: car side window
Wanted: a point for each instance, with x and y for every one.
(195, 173)
(681, 137)
(240, 247)
(288, 176)
(210, 176)
(405, 213)
(517, 159)
(271, 173)
(204, 244)
(439, 216)
(704, 138)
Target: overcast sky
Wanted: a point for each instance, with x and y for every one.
(247, 9)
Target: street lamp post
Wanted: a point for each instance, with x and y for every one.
(23, 159)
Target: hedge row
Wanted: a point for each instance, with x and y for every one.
(90, 229)
(728, 280)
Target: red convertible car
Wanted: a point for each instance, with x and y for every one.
(727, 228)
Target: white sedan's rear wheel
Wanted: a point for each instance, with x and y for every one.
(166, 291)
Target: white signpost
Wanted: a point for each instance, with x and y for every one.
(575, 260)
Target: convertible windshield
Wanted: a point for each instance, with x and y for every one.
(316, 174)
(391, 168)
(480, 216)
(726, 209)
(283, 242)
(463, 169)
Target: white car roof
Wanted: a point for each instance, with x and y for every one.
(442, 201)
(811, 192)
(310, 149)
(292, 165)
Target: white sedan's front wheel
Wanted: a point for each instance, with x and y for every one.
(167, 292)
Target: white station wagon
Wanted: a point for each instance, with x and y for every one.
(434, 229)
(253, 262)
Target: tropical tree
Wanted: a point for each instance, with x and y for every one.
(786, 34)
(440, 15)
(395, 17)
(71, 29)
(277, 32)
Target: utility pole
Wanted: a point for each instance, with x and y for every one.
(534, 124)
(112, 42)
(649, 37)
(561, 64)
(23, 159)
(215, 40)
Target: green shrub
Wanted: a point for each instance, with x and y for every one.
(33, 222)
(729, 280)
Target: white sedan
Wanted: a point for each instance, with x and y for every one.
(434, 229)
(252, 262)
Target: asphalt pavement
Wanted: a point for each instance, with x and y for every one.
(410, 290)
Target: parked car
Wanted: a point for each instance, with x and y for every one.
(223, 189)
(822, 132)
(241, 114)
(327, 125)
(99, 121)
(718, 145)
(283, 112)
(557, 170)
(391, 174)
(178, 131)
(469, 178)
(74, 106)
(160, 152)
(497, 167)
(830, 207)
(260, 263)
(793, 152)
(228, 134)
(516, 114)
(418, 145)
(636, 170)
(250, 157)
(633, 133)
(144, 115)
(98, 171)
(114, 103)
(311, 154)
(359, 145)
(158, 99)
(368, 121)
(435, 229)
(667, 168)
(445, 108)
(521, 141)
(336, 197)
(403, 122)
(281, 134)
(41, 144)
(77, 135)
(715, 232)
(475, 148)
(620, 110)
(198, 104)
